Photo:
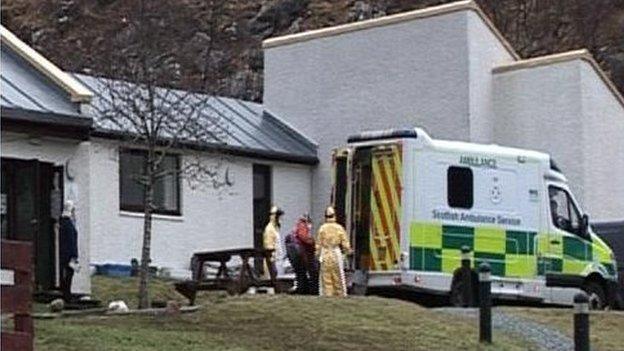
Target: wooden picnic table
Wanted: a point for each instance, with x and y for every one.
(223, 280)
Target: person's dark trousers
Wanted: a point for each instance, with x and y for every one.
(312, 272)
(303, 287)
(66, 281)
(314, 277)
(300, 271)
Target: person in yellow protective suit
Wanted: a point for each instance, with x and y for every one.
(271, 241)
(331, 244)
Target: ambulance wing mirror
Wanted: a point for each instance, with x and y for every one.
(584, 227)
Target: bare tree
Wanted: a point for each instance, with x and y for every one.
(538, 27)
(141, 110)
(211, 17)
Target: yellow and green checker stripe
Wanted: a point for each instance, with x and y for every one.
(436, 247)
(575, 256)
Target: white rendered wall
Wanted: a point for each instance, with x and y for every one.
(292, 191)
(485, 51)
(209, 221)
(395, 76)
(603, 146)
(540, 108)
(62, 152)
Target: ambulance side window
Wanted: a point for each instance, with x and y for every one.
(564, 214)
(460, 187)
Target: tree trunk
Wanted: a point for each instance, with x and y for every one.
(144, 301)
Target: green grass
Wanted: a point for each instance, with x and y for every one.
(265, 322)
(606, 327)
(107, 289)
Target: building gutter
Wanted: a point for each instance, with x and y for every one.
(223, 148)
(45, 123)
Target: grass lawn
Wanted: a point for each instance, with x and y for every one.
(606, 327)
(264, 322)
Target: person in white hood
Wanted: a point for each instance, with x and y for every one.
(68, 248)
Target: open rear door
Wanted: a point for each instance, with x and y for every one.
(341, 187)
(385, 207)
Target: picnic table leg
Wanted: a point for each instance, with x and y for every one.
(222, 272)
(239, 284)
(198, 266)
(245, 274)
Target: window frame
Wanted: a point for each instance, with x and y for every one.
(141, 208)
(448, 183)
(570, 201)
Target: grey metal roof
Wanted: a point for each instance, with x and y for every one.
(26, 94)
(249, 129)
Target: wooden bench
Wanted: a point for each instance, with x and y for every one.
(226, 278)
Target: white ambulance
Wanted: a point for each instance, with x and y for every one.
(410, 203)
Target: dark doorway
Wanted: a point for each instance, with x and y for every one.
(27, 191)
(363, 172)
(340, 190)
(261, 206)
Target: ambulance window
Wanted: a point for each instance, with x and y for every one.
(460, 187)
(565, 215)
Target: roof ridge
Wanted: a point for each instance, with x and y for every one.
(560, 57)
(311, 144)
(77, 91)
(431, 11)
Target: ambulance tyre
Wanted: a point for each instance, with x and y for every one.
(596, 294)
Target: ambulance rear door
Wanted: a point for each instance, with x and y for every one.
(341, 186)
(385, 207)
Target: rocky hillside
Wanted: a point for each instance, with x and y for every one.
(217, 43)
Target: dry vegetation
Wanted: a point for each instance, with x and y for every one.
(264, 322)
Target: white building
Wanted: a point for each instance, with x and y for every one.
(54, 148)
(447, 69)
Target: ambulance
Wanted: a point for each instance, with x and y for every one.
(410, 203)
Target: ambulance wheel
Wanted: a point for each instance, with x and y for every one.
(596, 294)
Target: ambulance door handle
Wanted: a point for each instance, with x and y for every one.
(555, 242)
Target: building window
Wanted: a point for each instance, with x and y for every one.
(460, 187)
(132, 164)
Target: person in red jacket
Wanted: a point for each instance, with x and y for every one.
(303, 233)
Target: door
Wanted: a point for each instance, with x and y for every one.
(362, 172)
(26, 187)
(340, 188)
(56, 208)
(45, 262)
(4, 201)
(385, 206)
(568, 252)
(261, 206)
(23, 197)
(341, 192)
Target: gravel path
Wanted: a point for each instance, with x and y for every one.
(545, 338)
